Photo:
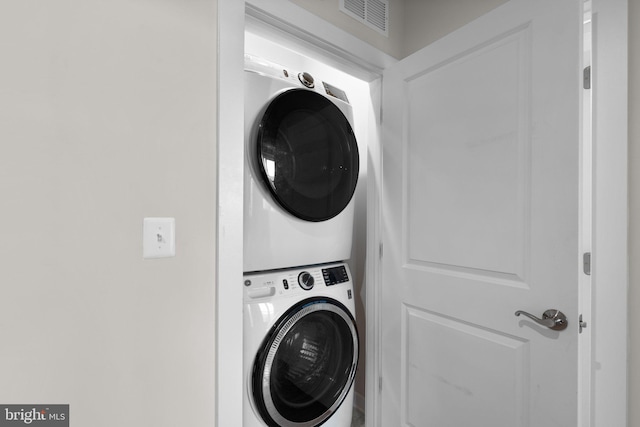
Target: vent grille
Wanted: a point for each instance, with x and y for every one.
(372, 13)
(356, 7)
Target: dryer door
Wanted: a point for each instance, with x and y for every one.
(308, 155)
(306, 365)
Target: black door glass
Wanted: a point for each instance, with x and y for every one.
(313, 366)
(308, 155)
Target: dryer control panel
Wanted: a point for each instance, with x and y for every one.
(262, 66)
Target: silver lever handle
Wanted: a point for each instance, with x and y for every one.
(552, 319)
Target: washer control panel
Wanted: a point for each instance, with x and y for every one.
(258, 286)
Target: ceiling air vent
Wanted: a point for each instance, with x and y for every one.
(372, 13)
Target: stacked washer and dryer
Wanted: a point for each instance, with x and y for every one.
(301, 171)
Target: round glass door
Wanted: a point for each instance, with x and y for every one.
(308, 155)
(306, 365)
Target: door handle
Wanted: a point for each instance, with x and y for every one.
(552, 319)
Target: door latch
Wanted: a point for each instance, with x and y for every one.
(582, 323)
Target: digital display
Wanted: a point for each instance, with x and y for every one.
(335, 275)
(335, 92)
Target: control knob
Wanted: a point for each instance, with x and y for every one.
(305, 280)
(306, 79)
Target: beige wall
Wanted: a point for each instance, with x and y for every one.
(428, 21)
(107, 115)
(330, 11)
(634, 214)
(413, 24)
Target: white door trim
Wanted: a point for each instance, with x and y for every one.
(229, 204)
(610, 265)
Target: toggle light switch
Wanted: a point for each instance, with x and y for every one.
(159, 237)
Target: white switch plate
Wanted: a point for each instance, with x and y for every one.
(159, 237)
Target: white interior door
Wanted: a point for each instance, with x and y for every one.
(481, 182)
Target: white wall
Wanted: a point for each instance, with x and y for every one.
(107, 115)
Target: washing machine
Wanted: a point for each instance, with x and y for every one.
(301, 169)
(300, 347)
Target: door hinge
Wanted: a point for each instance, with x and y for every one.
(581, 323)
(586, 77)
(586, 263)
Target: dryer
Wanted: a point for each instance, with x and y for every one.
(300, 347)
(301, 169)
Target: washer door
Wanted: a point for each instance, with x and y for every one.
(306, 365)
(308, 155)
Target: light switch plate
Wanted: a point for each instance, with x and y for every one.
(159, 237)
